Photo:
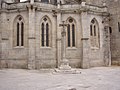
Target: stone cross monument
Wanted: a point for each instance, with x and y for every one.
(64, 62)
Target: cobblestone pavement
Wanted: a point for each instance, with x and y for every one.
(100, 78)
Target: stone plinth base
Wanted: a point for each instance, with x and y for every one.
(65, 67)
(70, 71)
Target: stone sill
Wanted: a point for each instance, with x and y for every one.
(95, 48)
(19, 47)
(71, 48)
(45, 47)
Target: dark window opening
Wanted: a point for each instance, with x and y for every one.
(42, 38)
(73, 35)
(68, 28)
(94, 30)
(47, 35)
(17, 34)
(110, 30)
(22, 34)
(91, 33)
(118, 26)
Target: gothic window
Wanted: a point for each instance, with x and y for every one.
(94, 33)
(45, 32)
(71, 33)
(19, 32)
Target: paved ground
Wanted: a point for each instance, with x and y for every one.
(102, 78)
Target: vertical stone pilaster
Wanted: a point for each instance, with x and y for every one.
(0, 41)
(0, 49)
(31, 38)
(85, 41)
(4, 35)
(59, 19)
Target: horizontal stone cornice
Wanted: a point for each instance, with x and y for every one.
(75, 8)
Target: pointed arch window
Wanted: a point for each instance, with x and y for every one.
(45, 32)
(19, 32)
(71, 33)
(94, 33)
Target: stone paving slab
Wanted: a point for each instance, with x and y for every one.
(100, 78)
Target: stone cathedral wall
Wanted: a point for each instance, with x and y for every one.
(114, 10)
(46, 57)
(17, 57)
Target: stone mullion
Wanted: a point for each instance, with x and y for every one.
(97, 30)
(71, 35)
(45, 35)
(93, 37)
(67, 37)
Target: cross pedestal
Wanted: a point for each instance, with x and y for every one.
(64, 62)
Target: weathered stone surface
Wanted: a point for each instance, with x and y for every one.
(82, 55)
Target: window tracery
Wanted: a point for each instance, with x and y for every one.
(71, 33)
(45, 32)
(19, 31)
(94, 33)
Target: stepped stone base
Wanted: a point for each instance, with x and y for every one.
(70, 71)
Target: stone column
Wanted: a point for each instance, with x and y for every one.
(31, 38)
(64, 62)
(59, 29)
(85, 40)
